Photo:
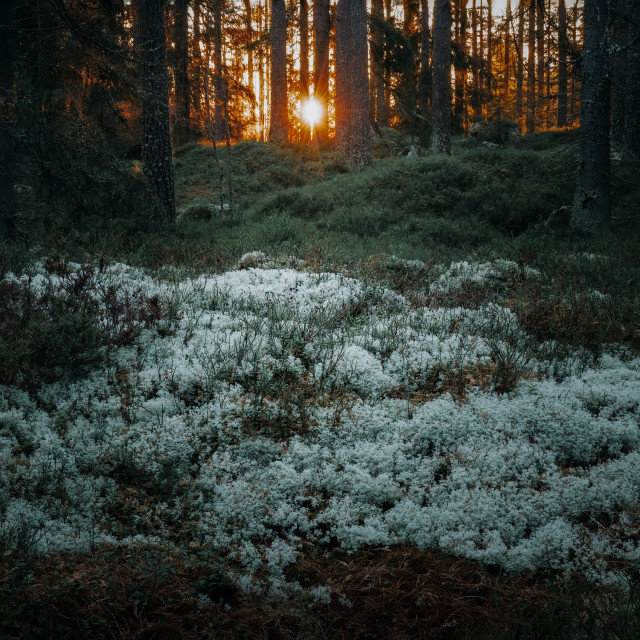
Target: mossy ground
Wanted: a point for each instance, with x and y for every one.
(483, 203)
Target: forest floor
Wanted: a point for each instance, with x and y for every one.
(400, 403)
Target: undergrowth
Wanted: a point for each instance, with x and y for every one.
(248, 425)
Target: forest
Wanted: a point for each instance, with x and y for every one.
(320, 319)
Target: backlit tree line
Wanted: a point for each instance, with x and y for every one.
(164, 73)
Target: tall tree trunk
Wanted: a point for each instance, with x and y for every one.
(507, 54)
(388, 14)
(462, 43)
(248, 16)
(279, 129)
(304, 49)
(196, 56)
(591, 212)
(156, 133)
(520, 63)
(531, 70)
(547, 65)
(540, 52)
(377, 68)
(619, 68)
(410, 14)
(352, 85)
(261, 82)
(489, 48)
(219, 124)
(574, 93)
(460, 30)
(181, 40)
(425, 69)
(481, 31)
(441, 137)
(321, 27)
(474, 52)
(632, 95)
(7, 168)
(562, 63)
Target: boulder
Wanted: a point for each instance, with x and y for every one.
(499, 132)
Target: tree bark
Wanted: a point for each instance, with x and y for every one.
(410, 12)
(489, 48)
(632, 95)
(279, 129)
(460, 14)
(248, 16)
(156, 132)
(476, 102)
(196, 93)
(377, 70)
(620, 31)
(352, 84)
(219, 97)
(304, 49)
(425, 69)
(591, 214)
(321, 26)
(181, 41)
(507, 54)
(7, 161)
(562, 63)
(540, 52)
(531, 70)
(441, 137)
(520, 64)
(262, 91)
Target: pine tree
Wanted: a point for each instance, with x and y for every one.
(156, 133)
(591, 212)
(539, 31)
(507, 53)
(562, 63)
(460, 30)
(181, 40)
(424, 88)
(219, 93)
(377, 67)
(304, 49)
(279, 129)
(489, 54)
(441, 137)
(321, 26)
(632, 95)
(531, 70)
(7, 196)
(520, 64)
(352, 86)
(248, 16)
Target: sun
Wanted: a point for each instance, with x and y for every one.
(311, 111)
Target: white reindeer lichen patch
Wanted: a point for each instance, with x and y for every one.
(274, 410)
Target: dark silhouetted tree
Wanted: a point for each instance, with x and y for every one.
(304, 49)
(441, 103)
(520, 62)
(531, 69)
(321, 28)
(182, 97)
(156, 133)
(352, 82)
(562, 63)
(279, 129)
(632, 82)
(7, 197)
(591, 212)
